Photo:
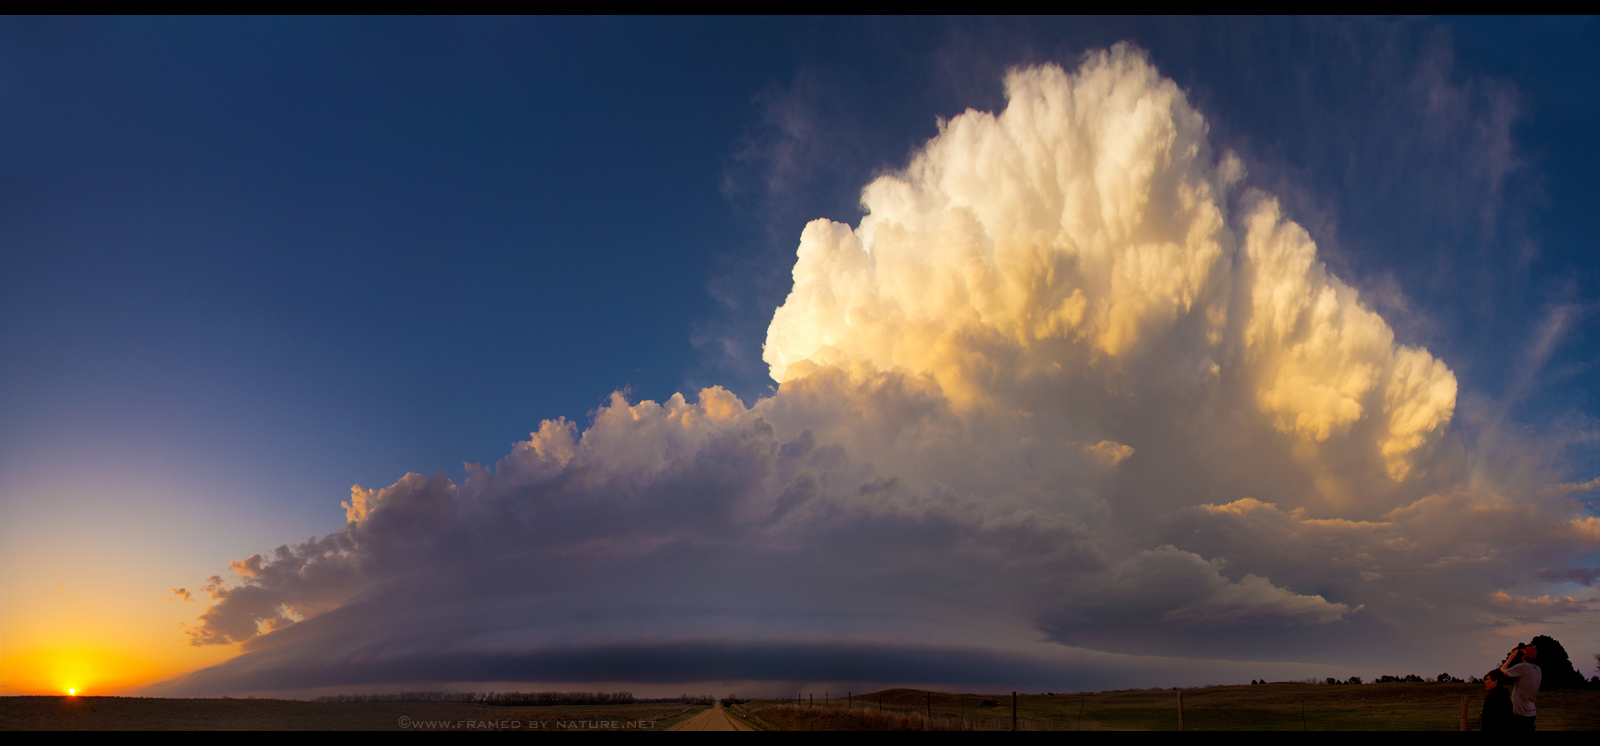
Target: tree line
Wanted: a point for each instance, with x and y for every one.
(496, 699)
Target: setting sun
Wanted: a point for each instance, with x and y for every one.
(74, 671)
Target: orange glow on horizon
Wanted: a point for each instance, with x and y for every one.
(87, 606)
(75, 672)
(78, 673)
(85, 671)
(94, 630)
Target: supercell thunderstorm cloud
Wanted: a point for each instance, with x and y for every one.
(1071, 392)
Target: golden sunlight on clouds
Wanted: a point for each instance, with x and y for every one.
(1109, 453)
(1085, 232)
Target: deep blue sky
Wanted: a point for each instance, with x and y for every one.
(362, 236)
(260, 260)
(367, 246)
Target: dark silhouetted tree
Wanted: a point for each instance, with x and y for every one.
(1555, 665)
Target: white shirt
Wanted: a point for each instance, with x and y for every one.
(1528, 678)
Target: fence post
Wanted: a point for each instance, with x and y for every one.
(930, 705)
(1463, 713)
(1013, 709)
(1180, 709)
(849, 700)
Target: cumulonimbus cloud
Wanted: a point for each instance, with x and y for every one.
(1085, 232)
(1068, 383)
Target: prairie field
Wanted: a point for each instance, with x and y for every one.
(1282, 706)
(142, 713)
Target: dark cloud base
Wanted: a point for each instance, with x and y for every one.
(642, 663)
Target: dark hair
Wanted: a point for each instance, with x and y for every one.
(1498, 676)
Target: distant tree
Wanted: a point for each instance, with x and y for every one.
(1409, 678)
(1554, 663)
(1353, 680)
(1332, 681)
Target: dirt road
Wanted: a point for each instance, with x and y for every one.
(715, 718)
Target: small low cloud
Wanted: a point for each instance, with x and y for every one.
(1541, 609)
(1109, 453)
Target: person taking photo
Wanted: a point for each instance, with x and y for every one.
(1522, 666)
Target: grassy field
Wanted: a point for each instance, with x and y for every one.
(1266, 707)
(138, 713)
(1286, 706)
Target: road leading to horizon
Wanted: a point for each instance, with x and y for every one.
(715, 718)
